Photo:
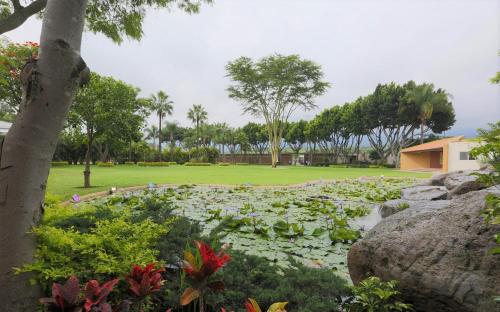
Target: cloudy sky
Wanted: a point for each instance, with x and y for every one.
(359, 44)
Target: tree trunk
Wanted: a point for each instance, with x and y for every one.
(49, 85)
(422, 133)
(159, 139)
(275, 152)
(130, 150)
(172, 146)
(88, 158)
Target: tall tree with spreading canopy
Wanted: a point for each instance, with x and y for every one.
(198, 115)
(107, 109)
(13, 56)
(273, 88)
(49, 84)
(162, 106)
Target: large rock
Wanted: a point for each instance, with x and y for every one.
(421, 193)
(396, 205)
(438, 179)
(464, 182)
(438, 254)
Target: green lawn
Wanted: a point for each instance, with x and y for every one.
(68, 180)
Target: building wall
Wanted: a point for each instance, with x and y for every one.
(445, 158)
(417, 160)
(454, 162)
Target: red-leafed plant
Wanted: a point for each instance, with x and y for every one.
(96, 296)
(199, 269)
(145, 281)
(65, 297)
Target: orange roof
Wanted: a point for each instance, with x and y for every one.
(434, 145)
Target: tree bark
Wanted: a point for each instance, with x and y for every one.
(159, 138)
(49, 85)
(88, 159)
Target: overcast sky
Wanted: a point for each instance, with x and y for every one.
(359, 44)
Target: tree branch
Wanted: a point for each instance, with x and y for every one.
(20, 15)
(17, 6)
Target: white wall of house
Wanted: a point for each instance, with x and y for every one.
(4, 127)
(459, 157)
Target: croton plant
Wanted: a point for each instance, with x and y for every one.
(143, 282)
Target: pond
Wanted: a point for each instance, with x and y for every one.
(313, 223)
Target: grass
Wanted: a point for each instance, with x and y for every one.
(68, 180)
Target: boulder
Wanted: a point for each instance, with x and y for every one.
(438, 254)
(461, 184)
(396, 205)
(422, 193)
(438, 179)
(456, 179)
(392, 206)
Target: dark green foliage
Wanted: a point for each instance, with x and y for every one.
(306, 289)
(204, 154)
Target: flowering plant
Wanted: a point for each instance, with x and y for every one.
(199, 269)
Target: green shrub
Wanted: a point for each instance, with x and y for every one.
(153, 164)
(59, 163)
(95, 241)
(403, 206)
(204, 154)
(177, 155)
(171, 163)
(224, 164)
(321, 164)
(360, 165)
(129, 163)
(306, 289)
(197, 164)
(374, 295)
(105, 164)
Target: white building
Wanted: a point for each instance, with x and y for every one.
(4, 127)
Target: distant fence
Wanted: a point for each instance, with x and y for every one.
(285, 158)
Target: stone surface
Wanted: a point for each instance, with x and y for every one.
(392, 206)
(422, 193)
(456, 179)
(439, 254)
(396, 205)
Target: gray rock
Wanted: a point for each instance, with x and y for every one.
(438, 179)
(456, 178)
(438, 254)
(422, 193)
(392, 206)
(396, 205)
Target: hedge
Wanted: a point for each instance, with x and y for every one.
(153, 164)
(105, 164)
(197, 164)
(59, 163)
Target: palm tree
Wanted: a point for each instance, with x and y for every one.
(198, 115)
(162, 106)
(152, 133)
(171, 129)
(427, 101)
